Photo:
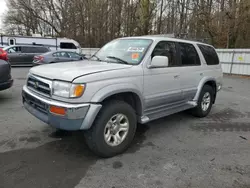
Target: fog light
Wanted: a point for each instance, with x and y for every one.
(57, 110)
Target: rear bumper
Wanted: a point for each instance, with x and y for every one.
(6, 85)
(78, 116)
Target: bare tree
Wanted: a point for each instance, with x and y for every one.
(223, 23)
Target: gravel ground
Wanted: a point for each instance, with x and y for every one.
(176, 151)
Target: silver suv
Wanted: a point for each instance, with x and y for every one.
(128, 81)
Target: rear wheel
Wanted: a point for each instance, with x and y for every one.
(113, 129)
(205, 102)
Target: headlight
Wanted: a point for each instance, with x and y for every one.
(67, 90)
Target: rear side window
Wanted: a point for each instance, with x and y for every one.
(26, 49)
(209, 54)
(189, 55)
(73, 55)
(67, 45)
(41, 49)
(168, 49)
(34, 49)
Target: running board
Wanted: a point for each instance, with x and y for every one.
(165, 112)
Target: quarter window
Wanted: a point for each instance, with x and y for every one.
(209, 54)
(189, 55)
(167, 49)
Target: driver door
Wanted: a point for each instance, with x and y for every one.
(162, 89)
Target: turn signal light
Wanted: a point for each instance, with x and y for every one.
(57, 110)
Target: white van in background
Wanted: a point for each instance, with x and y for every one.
(52, 43)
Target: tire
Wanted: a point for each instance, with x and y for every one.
(199, 111)
(95, 138)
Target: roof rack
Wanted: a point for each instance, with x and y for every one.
(162, 35)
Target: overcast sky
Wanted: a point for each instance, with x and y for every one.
(3, 9)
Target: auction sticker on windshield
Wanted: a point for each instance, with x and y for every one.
(135, 49)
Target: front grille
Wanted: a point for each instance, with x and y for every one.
(38, 86)
(35, 103)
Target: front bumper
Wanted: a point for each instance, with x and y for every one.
(6, 85)
(77, 117)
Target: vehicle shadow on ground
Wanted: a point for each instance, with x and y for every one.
(61, 163)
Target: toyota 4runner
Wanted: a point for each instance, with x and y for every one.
(128, 81)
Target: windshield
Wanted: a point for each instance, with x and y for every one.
(128, 51)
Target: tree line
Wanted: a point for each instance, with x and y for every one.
(223, 23)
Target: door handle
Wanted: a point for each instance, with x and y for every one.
(201, 74)
(176, 76)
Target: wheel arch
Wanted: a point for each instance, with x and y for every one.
(125, 92)
(207, 81)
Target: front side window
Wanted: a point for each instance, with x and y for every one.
(168, 49)
(67, 45)
(129, 51)
(209, 54)
(189, 55)
(12, 49)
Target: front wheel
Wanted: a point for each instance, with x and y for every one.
(205, 102)
(113, 129)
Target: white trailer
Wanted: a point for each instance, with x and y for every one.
(52, 43)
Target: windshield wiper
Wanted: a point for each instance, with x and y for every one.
(117, 58)
(98, 59)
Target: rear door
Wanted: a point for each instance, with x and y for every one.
(28, 54)
(191, 70)
(61, 57)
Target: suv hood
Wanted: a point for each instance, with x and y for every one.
(71, 70)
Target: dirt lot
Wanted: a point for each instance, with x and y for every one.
(176, 151)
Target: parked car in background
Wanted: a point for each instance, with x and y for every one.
(6, 80)
(3, 55)
(56, 57)
(24, 54)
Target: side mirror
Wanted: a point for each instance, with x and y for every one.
(159, 62)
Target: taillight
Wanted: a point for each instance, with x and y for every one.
(38, 58)
(3, 55)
